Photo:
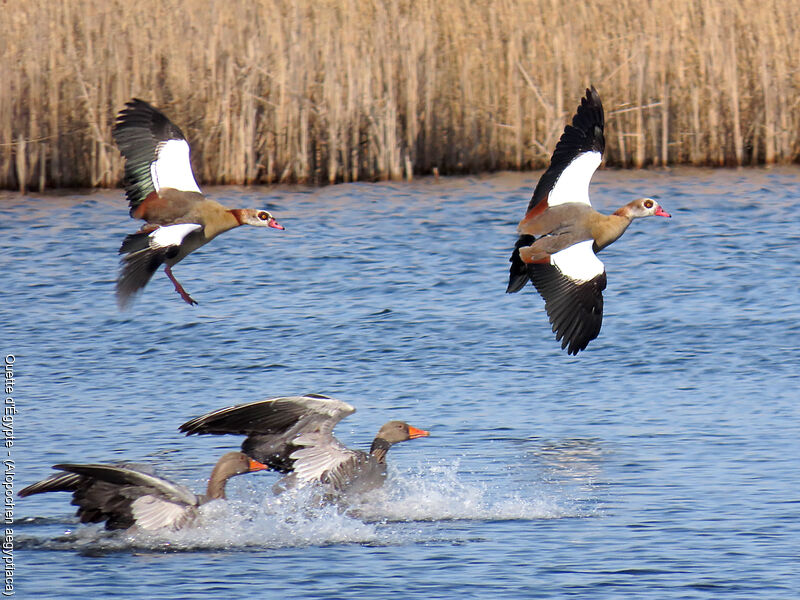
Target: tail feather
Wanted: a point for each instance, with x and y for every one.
(518, 273)
(136, 269)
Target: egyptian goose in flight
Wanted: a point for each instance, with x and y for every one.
(561, 232)
(161, 190)
(130, 495)
(294, 435)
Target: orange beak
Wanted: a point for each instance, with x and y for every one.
(257, 466)
(414, 433)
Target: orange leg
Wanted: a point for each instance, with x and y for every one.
(178, 287)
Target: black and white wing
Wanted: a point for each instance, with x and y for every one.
(576, 157)
(572, 286)
(155, 150)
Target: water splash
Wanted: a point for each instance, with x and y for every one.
(430, 494)
(251, 522)
(441, 493)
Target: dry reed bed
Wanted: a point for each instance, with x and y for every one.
(322, 91)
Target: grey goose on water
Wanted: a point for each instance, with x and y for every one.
(294, 435)
(132, 495)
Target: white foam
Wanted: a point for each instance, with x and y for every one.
(258, 519)
(172, 167)
(440, 493)
(573, 183)
(264, 522)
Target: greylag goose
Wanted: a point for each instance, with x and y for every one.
(129, 495)
(161, 190)
(294, 435)
(561, 232)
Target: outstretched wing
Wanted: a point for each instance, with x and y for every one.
(155, 150)
(572, 285)
(271, 416)
(272, 425)
(57, 482)
(115, 494)
(126, 476)
(575, 158)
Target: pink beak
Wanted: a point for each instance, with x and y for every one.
(275, 225)
(660, 212)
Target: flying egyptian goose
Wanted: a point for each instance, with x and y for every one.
(130, 495)
(161, 190)
(561, 232)
(294, 435)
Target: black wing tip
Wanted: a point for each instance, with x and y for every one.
(209, 423)
(576, 343)
(139, 114)
(136, 112)
(574, 346)
(575, 309)
(57, 482)
(590, 120)
(197, 426)
(138, 104)
(592, 101)
(583, 134)
(592, 97)
(516, 282)
(230, 420)
(189, 428)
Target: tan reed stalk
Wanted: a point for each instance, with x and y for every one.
(340, 90)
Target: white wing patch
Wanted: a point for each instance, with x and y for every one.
(318, 456)
(151, 513)
(171, 235)
(172, 168)
(578, 262)
(573, 183)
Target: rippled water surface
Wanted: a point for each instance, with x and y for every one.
(660, 463)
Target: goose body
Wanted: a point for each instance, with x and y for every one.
(294, 435)
(132, 495)
(162, 190)
(561, 233)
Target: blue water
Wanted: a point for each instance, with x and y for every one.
(659, 463)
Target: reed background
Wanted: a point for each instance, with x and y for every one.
(320, 91)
